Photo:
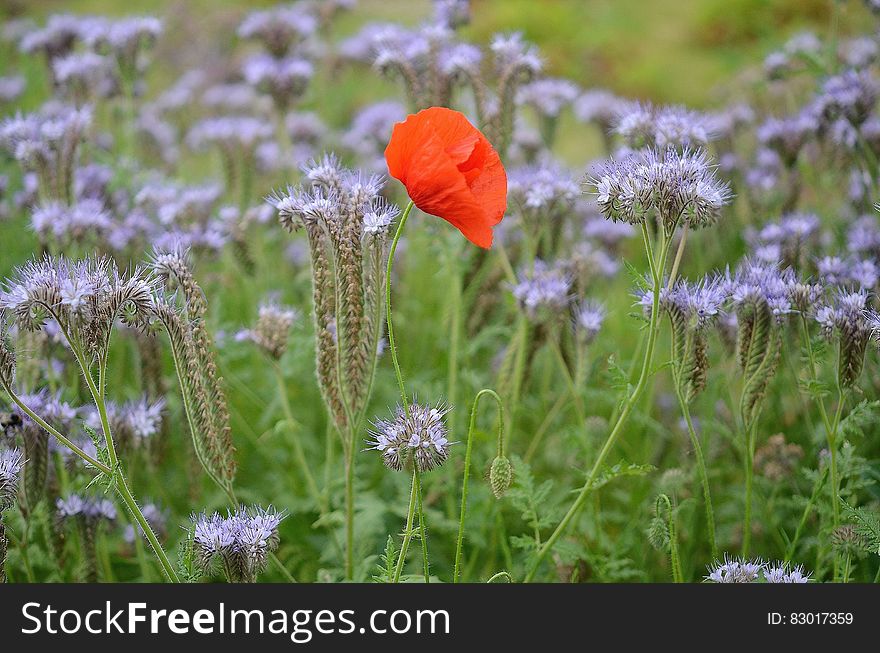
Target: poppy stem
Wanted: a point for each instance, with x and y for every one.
(392, 345)
(391, 342)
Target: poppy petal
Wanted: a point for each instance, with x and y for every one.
(450, 170)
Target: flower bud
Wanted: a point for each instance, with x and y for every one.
(500, 476)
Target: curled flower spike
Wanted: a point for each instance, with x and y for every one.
(450, 170)
(692, 308)
(849, 318)
(271, 332)
(418, 437)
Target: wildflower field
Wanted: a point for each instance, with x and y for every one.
(490, 291)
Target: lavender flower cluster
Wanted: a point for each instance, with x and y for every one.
(415, 436)
(755, 571)
(241, 541)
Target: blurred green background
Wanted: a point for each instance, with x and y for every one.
(701, 53)
(669, 50)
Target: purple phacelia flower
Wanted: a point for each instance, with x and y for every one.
(242, 540)
(734, 570)
(645, 125)
(414, 437)
(11, 464)
(548, 96)
(588, 318)
(544, 293)
(678, 186)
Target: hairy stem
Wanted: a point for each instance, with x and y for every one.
(298, 452)
(701, 469)
(467, 467)
(657, 268)
(407, 532)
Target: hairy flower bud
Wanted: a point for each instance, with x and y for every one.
(500, 476)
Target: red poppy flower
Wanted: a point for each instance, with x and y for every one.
(450, 170)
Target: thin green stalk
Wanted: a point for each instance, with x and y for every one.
(701, 469)
(514, 385)
(329, 449)
(55, 433)
(542, 429)
(117, 476)
(811, 358)
(749, 469)
(678, 256)
(392, 346)
(674, 555)
(407, 533)
(835, 476)
(653, 328)
(569, 379)
(499, 575)
(416, 495)
(814, 496)
(467, 467)
(298, 452)
(831, 427)
(349, 509)
(454, 338)
(421, 514)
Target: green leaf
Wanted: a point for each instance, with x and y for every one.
(867, 524)
(622, 468)
(859, 418)
(388, 560)
(638, 279)
(814, 387)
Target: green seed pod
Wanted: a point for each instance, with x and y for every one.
(658, 533)
(500, 476)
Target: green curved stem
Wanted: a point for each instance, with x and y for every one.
(114, 468)
(678, 256)
(51, 430)
(118, 477)
(467, 466)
